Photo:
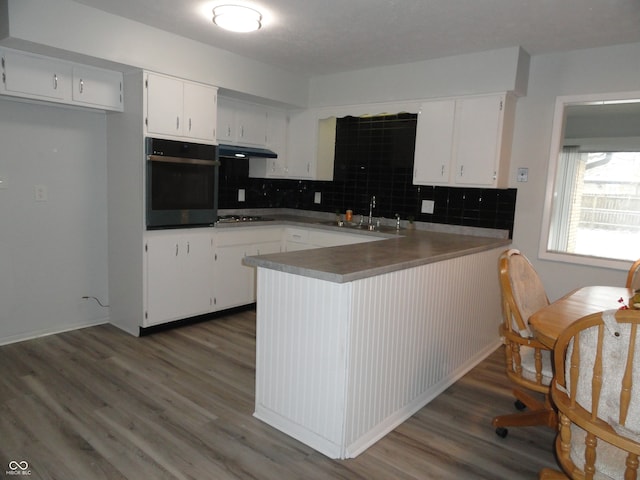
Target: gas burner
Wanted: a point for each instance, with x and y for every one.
(242, 218)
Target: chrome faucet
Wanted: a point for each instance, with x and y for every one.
(372, 205)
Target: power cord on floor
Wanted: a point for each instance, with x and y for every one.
(98, 301)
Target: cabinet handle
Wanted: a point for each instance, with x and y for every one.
(176, 249)
(242, 131)
(81, 85)
(442, 171)
(228, 131)
(55, 81)
(461, 170)
(188, 248)
(189, 124)
(177, 123)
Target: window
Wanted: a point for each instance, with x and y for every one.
(592, 215)
(597, 205)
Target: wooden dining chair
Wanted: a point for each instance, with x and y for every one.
(597, 361)
(633, 278)
(528, 362)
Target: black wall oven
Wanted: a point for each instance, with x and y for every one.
(182, 184)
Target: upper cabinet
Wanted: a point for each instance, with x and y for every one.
(97, 87)
(465, 141)
(304, 143)
(42, 78)
(277, 131)
(177, 109)
(242, 123)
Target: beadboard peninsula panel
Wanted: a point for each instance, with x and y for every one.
(301, 357)
(414, 333)
(338, 366)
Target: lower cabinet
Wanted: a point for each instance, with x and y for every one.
(190, 272)
(178, 275)
(307, 238)
(234, 282)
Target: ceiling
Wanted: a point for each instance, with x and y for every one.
(317, 37)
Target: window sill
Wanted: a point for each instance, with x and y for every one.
(585, 260)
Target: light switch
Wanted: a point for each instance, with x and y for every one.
(40, 193)
(317, 198)
(241, 194)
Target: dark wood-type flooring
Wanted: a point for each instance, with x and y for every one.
(97, 403)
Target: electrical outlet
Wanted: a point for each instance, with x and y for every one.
(427, 206)
(241, 194)
(523, 174)
(40, 193)
(317, 198)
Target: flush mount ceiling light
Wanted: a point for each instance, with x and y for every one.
(237, 18)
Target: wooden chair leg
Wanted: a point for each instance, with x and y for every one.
(531, 402)
(526, 419)
(539, 413)
(549, 474)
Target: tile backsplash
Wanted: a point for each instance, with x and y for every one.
(393, 188)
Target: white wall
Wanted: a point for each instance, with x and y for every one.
(613, 69)
(51, 253)
(63, 27)
(585, 71)
(485, 72)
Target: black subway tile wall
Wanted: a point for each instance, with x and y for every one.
(372, 158)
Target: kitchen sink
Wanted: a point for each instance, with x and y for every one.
(356, 226)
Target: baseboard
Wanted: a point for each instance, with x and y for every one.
(46, 332)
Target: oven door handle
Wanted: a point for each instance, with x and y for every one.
(190, 161)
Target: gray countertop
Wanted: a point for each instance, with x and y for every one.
(398, 250)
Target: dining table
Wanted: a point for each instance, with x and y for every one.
(548, 322)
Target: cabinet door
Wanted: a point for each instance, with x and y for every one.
(277, 141)
(200, 111)
(434, 143)
(477, 133)
(302, 145)
(251, 125)
(197, 274)
(164, 105)
(226, 122)
(36, 77)
(234, 280)
(163, 285)
(97, 87)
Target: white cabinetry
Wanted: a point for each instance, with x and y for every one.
(465, 141)
(277, 127)
(434, 143)
(178, 275)
(306, 238)
(302, 147)
(97, 87)
(33, 76)
(234, 283)
(42, 78)
(176, 108)
(242, 123)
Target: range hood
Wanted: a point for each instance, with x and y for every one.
(238, 151)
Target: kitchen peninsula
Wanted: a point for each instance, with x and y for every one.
(352, 340)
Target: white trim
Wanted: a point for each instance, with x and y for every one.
(46, 332)
(557, 136)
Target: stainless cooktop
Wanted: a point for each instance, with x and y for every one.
(242, 218)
